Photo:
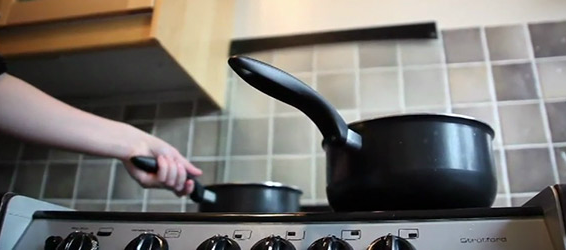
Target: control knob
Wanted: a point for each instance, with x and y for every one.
(79, 241)
(52, 242)
(330, 243)
(390, 242)
(219, 243)
(148, 241)
(273, 243)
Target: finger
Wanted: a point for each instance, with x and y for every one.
(189, 186)
(163, 167)
(171, 173)
(181, 177)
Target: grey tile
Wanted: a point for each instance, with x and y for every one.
(247, 171)
(560, 153)
(90, 206)
(514, 82)
(207, 138)
(60, 181)
(94, 179)
(63, 203)
(294, 172)
(249, 137)
(281, 107)
(248, 101)
(549, 39)
(468, 84)
(212, 171)
(529, 169)
(9, 148)
(379, 90)
(499, 172)
(110, 112)
(205, 107)
(175, 110)
(125, 187)
(297, 59)
(191, 208)
(521, 124)
(140, 112)
(551, 76)
(292, 135)
(507, 42)
(463, 45)
(417, 52)
(29, 179)
(164, 207)
(483, 113)
(336, 56)
(338, 89)
(118, 207)
(35, 152)
(500, 202)
(6, 174)
(264, 56)
(320, 178)
(557, 120)
(57, 154)
(161, 194)
(374, 115)
(175, 132)
(412, 110)
(378, 54)
(424, 87)
(519, 201)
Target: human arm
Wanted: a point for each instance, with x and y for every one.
(28, 113)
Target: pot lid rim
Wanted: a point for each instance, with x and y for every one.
(263, 184)
(430, 114)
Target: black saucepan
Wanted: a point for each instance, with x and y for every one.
(265, 197)
(420, 161)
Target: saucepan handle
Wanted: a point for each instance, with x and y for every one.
(290, 90)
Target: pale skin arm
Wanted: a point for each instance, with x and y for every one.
(30, 114)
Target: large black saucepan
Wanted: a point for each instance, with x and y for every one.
(421, 161)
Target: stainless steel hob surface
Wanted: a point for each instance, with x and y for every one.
(538, 225)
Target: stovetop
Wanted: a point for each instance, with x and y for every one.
(537, 225)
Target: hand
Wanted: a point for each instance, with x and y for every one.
(173, 167)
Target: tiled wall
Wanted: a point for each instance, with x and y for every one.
(513, 77)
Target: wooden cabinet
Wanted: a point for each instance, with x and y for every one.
(17, 12)
(104, 47)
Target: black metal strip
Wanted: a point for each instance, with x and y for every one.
(410, 31)
(476, 213)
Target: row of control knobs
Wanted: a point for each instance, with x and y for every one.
(151, 241)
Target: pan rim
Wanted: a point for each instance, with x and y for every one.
(271, 184)
(462, 118)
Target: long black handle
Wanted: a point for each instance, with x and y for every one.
(288, 89)
(149, 164)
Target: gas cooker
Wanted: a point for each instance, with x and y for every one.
(537, 225)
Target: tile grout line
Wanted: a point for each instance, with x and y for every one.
(444, 69)
(16, 166)
(111, 180)
(44, 177)
(270, 131)
(544, 115)
(190, 145)
(357, 83)
(145, 199)
(313, 128)
(493, 96)
(229, 129)
(400, 78)
(77, 180)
